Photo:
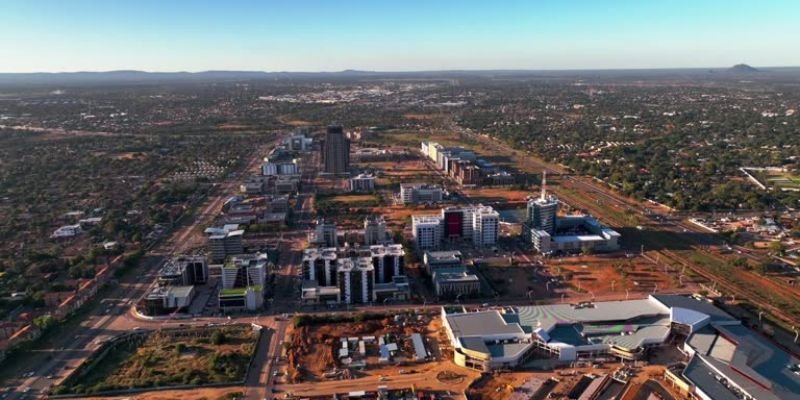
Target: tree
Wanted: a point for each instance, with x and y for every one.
(218, 338)
(777, 247)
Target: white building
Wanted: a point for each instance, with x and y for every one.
(298, 142)
(243, 279)
(245, 270)
(283, 167)
(324, 234)
(485, 226)
(362, 183)
(420, 193)
(374, 230)
(356, 279)
(427, 231)
(67, 231)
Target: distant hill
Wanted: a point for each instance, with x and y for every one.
(742, 69)
(133, 77)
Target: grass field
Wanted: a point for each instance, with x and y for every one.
(328, 202)
(160, 360)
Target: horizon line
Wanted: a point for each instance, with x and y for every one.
(394, 71)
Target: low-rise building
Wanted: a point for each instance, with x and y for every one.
(168, 299)
(374, 230)
(298, 140)
(224, 242)
(183, 270)
(456, 284)
(442, 260)
(362, 183)
(67, 231)
(508, 337)
(324, 234)
(415, 193)
(252, 186)
(313, 293)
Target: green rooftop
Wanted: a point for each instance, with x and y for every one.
(232, 292)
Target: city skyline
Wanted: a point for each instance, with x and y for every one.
(85, 35)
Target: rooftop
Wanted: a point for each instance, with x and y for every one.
(425, 219)
(443, 256)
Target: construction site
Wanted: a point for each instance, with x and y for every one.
(362, 346)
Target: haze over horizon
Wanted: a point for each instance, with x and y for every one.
(88, 35)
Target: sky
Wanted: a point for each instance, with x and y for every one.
(389, 35)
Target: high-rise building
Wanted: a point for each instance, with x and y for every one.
(542, 211)
(224, 243)
(356, 279)
(427, 231)
(457, 225)
(243, 279)
(388, 261)
(335, 152)
(374, 230)
(319, 265)
(485, 226)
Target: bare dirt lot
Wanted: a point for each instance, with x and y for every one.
(493, 194)
(599, 274)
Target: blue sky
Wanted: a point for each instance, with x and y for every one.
(387, 35)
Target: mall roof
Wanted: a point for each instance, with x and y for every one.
(705, 307)
(483, 323)
(740, 358)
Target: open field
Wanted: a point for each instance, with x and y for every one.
(497, 194)
(779, 180)
(393, 173)
(166, 359)
(514, 281)
(604, 275)
(597, 275)
(225, 393)
(324, 202)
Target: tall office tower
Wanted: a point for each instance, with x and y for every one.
(485, 226)
(356, 279)
(542, 211)
(374, 230)
(335, 152)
